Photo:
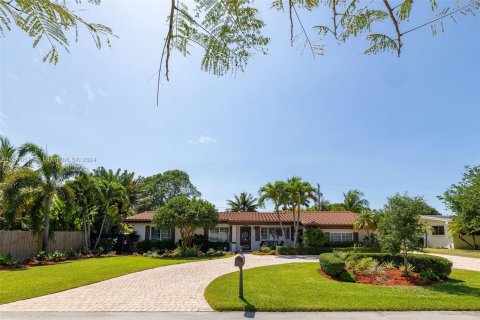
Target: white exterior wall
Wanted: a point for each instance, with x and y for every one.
(437, 241)
(139, 228)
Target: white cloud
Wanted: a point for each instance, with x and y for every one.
(58, 100)
(206, 140)
(90, 94)
(103, 93)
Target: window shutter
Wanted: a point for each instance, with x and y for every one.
(257, 233)
(205, 232)
(328, 236)
(292, 231)
(230, 235)
(172, 237)
(355, 237)
(147, 232)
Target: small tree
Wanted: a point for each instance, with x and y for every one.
(400, 228)
(464, 200)
(314, 237)
(187, 215)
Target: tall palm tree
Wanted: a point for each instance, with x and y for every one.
(365, 220)
(274, 192)
(243, 203)
(299, 193)
(112, 196)
(41, 185)
(86, 190)
(353, 201)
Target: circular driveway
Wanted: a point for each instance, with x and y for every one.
(172, 288)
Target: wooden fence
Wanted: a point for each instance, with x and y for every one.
(26, 244)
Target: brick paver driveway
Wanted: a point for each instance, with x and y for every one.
(172, 288)
(461, 262)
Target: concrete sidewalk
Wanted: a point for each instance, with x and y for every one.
(387, 315)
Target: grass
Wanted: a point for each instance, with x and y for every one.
(456, 252)
(299, 287)
(20, 284)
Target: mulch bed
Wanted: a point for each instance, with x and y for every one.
(393, 277)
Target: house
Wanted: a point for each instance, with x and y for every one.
(437, 236)
(250, 230)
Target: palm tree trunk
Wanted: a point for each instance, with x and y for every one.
(46, 225)
(281, 227)
(101, 230)
(85, 228)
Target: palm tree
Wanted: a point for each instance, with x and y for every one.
(243, 203)
(10, 160)
(86, 190)
(365, 220)
(298, 194)
(112, 196)
(353, 201)
(41, 185)
(274, 192)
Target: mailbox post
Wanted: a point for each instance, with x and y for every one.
(239, 262)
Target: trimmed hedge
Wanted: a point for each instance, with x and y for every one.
(303, 250)
(356, 249)
(149, 245)
(421, 262)
(331, 265)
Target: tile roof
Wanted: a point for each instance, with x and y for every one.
(307, 218)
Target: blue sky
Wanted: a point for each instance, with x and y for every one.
(376, 123)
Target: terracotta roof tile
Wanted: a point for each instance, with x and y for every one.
(307, 218)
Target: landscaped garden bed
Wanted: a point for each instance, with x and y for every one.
(384, 269)
(299, 287)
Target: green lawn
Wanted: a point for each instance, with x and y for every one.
(19, 284)
(299, 287)
(455, 252)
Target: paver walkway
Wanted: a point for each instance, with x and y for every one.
(461, 262)
(172, 288)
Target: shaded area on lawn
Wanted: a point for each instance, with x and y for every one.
(299, 287)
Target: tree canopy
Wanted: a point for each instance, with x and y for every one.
(463, 199)
(187, 215)
(159, 188)
(245, 202)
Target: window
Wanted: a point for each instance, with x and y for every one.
(438, 230)
(341, 237)
(273, 233)
(218, 234)
(159, 234)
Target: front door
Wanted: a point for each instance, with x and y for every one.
(245, 238)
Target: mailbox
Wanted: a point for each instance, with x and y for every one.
(239, 260)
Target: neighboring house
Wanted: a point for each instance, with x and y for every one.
(437, 236)
(250, 230)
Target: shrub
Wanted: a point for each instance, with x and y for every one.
(70, 253)
(184, 252)
(331, 265)
(57, 255)
(339, 244)
(347, 277)
(6, 259)
(389, 265)
(214, 253)
(41, 256)
(265, 249)
(357, 249)
(314, 237)
(304, 250)
(428, 276)
(158, 245)
(106, 245)
(421, 262)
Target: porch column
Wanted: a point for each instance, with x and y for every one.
(233, 241)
